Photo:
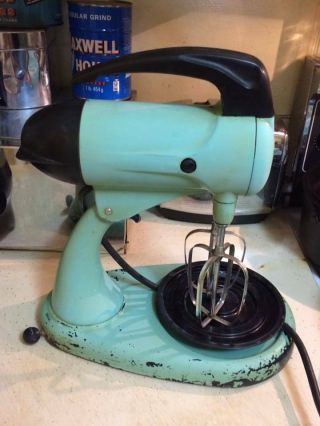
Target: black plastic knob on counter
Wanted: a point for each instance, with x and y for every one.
(31, 335)
(241, 79)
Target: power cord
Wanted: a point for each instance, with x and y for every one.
(307, 364)
(126, 267)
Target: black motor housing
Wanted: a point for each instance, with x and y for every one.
(50, 141)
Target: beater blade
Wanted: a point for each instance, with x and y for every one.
(211, 292)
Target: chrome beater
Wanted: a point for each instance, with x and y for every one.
(210, 291)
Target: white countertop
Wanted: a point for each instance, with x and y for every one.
(42, 385)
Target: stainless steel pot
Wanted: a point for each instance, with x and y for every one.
(24, 80)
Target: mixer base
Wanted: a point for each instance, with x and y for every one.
(134, 340)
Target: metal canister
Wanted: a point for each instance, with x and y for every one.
(24, 80)
(100, 31)
(30, 13)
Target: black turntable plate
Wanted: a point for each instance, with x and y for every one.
(261, 318)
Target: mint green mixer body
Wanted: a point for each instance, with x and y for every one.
(143, 170)
(136, 155)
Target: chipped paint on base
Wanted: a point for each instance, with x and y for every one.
(135, 341)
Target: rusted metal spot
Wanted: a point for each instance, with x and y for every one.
(153, 364)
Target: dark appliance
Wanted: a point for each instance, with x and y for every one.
(304, 129)
(309, 234)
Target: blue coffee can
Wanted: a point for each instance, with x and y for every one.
(100, 31)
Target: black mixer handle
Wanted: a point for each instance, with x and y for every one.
(242, 79)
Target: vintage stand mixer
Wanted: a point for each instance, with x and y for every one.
(214, 322)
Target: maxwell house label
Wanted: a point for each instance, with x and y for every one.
(100, 33)
(94, 47)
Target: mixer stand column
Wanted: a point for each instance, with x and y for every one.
(84, 294)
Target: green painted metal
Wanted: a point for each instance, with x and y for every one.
(224, 205)
(264, 154)
(130, 152)
(83, 293)
(134, 340)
